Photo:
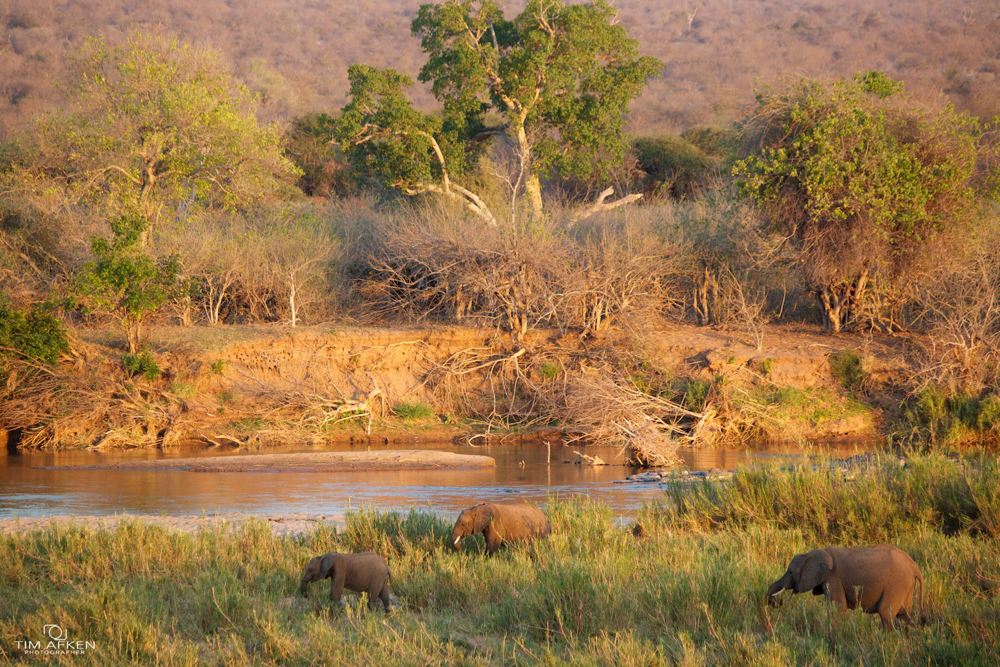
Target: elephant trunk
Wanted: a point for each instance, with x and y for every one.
(304, 586)
(456, 539)
(775, 588)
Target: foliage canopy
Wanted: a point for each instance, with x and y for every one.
(156, 126)
(554, 83)
(859, 175)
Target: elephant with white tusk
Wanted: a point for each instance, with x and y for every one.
(499, 523)
(879, 579)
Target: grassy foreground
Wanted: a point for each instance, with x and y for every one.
(691, 593)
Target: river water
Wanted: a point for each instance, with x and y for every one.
(31, 487)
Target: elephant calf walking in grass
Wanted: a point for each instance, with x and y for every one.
(501, 522)
(879, 579)
(364, 573)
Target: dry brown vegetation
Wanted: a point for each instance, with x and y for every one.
(295, 54)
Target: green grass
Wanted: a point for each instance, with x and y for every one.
(814, 405)
(550, 370)
(413, 411)
(691, 593)
(847, 368)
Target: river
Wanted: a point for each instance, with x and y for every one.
(31, 487)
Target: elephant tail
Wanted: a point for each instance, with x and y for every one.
(923, 615)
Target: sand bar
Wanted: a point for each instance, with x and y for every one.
(307, 462)
(281, 524)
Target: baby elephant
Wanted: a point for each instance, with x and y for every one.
(879, 579)
(501, 522)
(364, 572)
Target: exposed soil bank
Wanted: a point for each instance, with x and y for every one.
(310, 462)
(258, 385)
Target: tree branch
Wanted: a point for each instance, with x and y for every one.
(599, 206)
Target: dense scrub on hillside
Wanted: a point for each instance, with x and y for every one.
(295, 54)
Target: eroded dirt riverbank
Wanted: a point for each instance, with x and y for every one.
(264, 386)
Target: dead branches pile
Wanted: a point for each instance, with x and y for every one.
(320, 411)
(90, 403)
(489, 383)
(649, 428)
(583, 278)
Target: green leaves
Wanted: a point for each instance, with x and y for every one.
(555, 82)
(383, 135)
(123, 281)
(36, 334)
(154, 127)
(858, 154)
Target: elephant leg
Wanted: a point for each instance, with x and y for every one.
(886, 613)
(493, 539)
(337, 587)
(904, 616)
(384, 597)
(836, 595)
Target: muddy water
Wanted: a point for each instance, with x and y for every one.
(29, 487)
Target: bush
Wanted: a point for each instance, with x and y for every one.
(142, 364)
(846, 368)
(411, 411)
(124, 281)
(672, 165)
(948, 416)
(35, 334)
(860, 177)
(696, 394)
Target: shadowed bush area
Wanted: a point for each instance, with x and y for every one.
(591, 594)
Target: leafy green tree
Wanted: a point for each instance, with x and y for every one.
(859, 176)
(126, 283)
(155, 129)
(553, 83)
(34, 334)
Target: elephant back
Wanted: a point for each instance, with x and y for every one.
(520, 521)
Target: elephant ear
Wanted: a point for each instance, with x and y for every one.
(482, 518)
(815, 572)
(325, 565)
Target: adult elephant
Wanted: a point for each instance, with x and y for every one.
(501, 522)
(880, 579)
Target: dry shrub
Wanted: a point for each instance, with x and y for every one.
(649, 428)
(277, 265)
(961, 313)
(739, 276)
(436, 263)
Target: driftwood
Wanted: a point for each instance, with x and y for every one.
(599, 205)
(648, 428)
(589, 460)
